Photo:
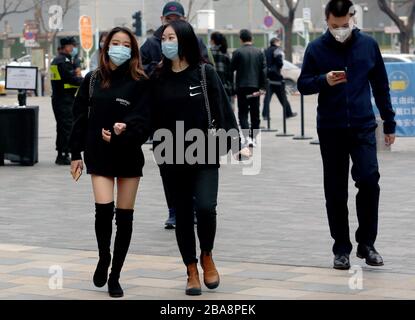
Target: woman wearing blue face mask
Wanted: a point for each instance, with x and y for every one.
(180, 101)
(117, 92)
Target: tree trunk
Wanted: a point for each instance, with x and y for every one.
(406, 31)
(405, 39)
(288, 30)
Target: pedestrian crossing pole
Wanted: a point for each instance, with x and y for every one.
(302, 136)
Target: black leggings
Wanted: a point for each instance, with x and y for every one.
(193, 189)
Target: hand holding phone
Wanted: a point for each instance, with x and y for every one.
(336, 77)
(339, 74)
(76, 169)
(77, 174)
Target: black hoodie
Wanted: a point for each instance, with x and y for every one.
(127, 100)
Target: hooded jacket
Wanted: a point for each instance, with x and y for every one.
(347, 104)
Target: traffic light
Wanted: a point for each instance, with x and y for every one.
(137, 24)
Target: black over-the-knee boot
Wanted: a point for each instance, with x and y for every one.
(104, 213)
(124, 222)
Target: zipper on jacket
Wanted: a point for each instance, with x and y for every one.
(347, 95)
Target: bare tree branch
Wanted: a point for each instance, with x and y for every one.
(13, 7)
(286, 21)
(281, 18)
(189, 8)
(190, 19)
(406, 30)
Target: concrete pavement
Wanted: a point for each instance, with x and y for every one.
(272, 227)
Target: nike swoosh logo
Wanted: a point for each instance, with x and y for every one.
(195, 94)
(192, 88)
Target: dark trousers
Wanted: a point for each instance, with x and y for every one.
(62, 109)
(167, 193)
(248, 107)
(279, 90)
(337, 146)
(193, 189)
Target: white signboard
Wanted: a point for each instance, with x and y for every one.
(307, 14)
(298, 25)
(21, 78)
(206, 19)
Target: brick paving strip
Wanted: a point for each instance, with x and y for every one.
(28, 272)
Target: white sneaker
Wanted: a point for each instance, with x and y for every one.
(252, 143)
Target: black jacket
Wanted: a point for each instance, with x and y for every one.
(127, 100)
(275, 61)
(179, 97)
(348, 104)
(64, 81)
(151, 54)
(249, 64)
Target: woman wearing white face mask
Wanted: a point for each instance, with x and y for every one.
(116, 92)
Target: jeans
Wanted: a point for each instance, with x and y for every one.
(279, 90)
(193, 189)
(337, 146)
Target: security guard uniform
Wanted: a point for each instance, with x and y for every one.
(65, 84)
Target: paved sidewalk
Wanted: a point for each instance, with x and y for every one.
(272, 227)
(25, 273)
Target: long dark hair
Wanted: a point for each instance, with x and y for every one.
(102, 36)
(135, 69)
(220, 40)
(189, 47)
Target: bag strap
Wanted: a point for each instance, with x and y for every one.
(205, 94)
(92, 83)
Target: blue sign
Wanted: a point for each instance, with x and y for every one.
(268, 21)
(402, 90)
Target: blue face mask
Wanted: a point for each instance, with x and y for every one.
(170, 49)
(119, 54)
(74, 52)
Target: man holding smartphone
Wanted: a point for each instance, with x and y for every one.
(342, 66)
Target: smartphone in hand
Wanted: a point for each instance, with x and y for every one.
(339, 74)
(77, 174)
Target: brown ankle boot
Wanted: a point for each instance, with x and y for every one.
(193, 287)
(210, 274)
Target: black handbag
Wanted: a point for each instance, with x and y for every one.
(212, 128)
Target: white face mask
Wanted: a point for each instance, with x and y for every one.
(343, 33)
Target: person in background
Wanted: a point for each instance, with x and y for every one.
(249, 64)
(76, 61)
(222, 61)
(65, 83)
(151, 49)
(275, 60)
(344, 66)
(94, 63)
